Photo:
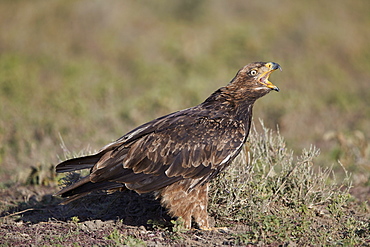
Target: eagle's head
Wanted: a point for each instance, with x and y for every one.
(253, 80)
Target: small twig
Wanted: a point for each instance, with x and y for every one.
(20, 212)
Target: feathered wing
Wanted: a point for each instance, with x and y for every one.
(177, 154)
(187, 144)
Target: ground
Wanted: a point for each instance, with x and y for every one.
(34, 217)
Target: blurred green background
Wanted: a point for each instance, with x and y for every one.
(75, 75)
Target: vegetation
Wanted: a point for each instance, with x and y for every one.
(267, 197)
(75, 75)
(284, 199)
(87, 72)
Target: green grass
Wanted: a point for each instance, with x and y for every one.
(89, 74)
(102, 77)
(120, 239)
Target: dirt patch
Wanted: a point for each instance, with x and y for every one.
(361, 193)
(32, 216)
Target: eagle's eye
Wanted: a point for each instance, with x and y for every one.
(253, 72)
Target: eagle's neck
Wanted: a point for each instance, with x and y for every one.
(232, 103)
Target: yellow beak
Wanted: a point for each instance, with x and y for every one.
(265, 76)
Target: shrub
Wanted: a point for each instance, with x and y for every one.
(280, 198)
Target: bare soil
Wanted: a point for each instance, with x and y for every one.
(33, 216)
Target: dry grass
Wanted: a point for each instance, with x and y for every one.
(282, 198)
(268, 196)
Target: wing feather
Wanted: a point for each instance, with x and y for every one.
(195, 153)
(185, 145)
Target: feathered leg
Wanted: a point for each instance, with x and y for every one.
(184, 204)
(200, 213)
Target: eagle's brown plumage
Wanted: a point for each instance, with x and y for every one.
(176, 155)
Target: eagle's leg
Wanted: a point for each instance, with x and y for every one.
(184, 204)
(200, 214)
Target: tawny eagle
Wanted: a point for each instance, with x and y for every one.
(176, 155)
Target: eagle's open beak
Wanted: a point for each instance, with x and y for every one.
(264, 78)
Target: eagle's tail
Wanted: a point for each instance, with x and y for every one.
(83, 186)
(79, 163)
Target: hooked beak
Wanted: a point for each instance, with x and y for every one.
(264, 78)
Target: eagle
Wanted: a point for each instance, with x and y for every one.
(175, 156)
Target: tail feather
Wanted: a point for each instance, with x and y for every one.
(72, 198)
(78, 163)
(84, 187)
